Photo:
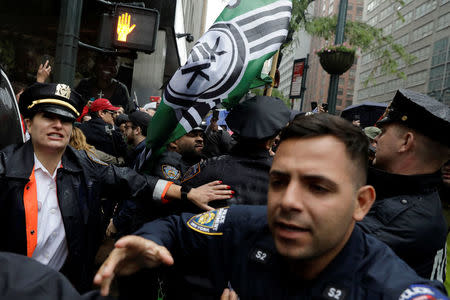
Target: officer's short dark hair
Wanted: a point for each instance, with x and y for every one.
(355, 141)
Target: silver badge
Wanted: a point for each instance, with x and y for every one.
(63, 90)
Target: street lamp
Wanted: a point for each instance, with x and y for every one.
(334, 79)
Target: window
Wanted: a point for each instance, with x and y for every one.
(416, 78)
(371, 5)
(422, 31)
(373, 21)
(398, 23)
(349, 17)
(341, 80)
(387, 30)
(443, 22)
(436, 78)
(393, 85)
(422, 54)
(439, 52)
(403, 40)
(349, 7)
(425, 8)
(386, 12)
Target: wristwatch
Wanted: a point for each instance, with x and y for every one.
(184, 192)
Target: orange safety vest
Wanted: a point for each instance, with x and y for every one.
(31, 213)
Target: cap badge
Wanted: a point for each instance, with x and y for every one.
(404, 118)
(63, 90)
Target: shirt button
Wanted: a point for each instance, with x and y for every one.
(53, 211)
(46, 255)
(404, 201)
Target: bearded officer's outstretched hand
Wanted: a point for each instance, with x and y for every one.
(131, 254)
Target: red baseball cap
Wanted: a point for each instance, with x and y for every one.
(102, 104)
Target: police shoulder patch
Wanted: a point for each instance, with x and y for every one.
(209, 222)
(421, 292)
(191, 172)
(170, 172)
(95, 158)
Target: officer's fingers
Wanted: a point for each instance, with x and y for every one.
(225, 294)
(214, 183)
(221, 187)
(105, 274)
(228, 295)
(163, 255)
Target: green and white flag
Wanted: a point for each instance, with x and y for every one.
(221, 66)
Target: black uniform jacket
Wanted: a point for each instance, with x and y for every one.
(103, 137)
(23, 278)
(80, 183)
(246, 171)
(234, 247)
(407, 216)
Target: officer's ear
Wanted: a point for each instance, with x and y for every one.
(28, 123)
(365, 197)
(172, 146)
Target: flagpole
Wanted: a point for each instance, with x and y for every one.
(272, 73)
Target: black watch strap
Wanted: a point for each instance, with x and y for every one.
(184, 191)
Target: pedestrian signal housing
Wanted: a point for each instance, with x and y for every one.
(129, 27)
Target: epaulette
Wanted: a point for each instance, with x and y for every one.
(95, 158)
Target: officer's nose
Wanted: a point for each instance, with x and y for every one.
(292, 198)
(57, 123)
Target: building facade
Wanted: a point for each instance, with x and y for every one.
(318, 80)
(425, 34)
(298, 49)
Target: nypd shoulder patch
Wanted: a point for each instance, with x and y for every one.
(421, 291)
(170, 172)
(191, 172)
(95, 158)
(209, 222)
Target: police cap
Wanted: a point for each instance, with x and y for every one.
(259, 117)
(419, 112)
(56, 98)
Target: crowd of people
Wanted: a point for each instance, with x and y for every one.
(288, 206)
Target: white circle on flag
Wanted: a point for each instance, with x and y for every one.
(213, 66)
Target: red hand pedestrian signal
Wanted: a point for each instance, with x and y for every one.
(123, 27)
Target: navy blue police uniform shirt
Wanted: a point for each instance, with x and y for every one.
(234, 247)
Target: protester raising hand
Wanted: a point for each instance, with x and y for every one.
(43, 72)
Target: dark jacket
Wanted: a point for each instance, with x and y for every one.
(119, 97)
(234, 247)
(407, 216)
(245, 171)
(80, 183)
(23, 278)
(171, 166)
(104, 137)
(217, 142)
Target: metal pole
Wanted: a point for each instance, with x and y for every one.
(272, 73)
(334, 79)
(67, 41)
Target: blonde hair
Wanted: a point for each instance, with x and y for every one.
(78, 141)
